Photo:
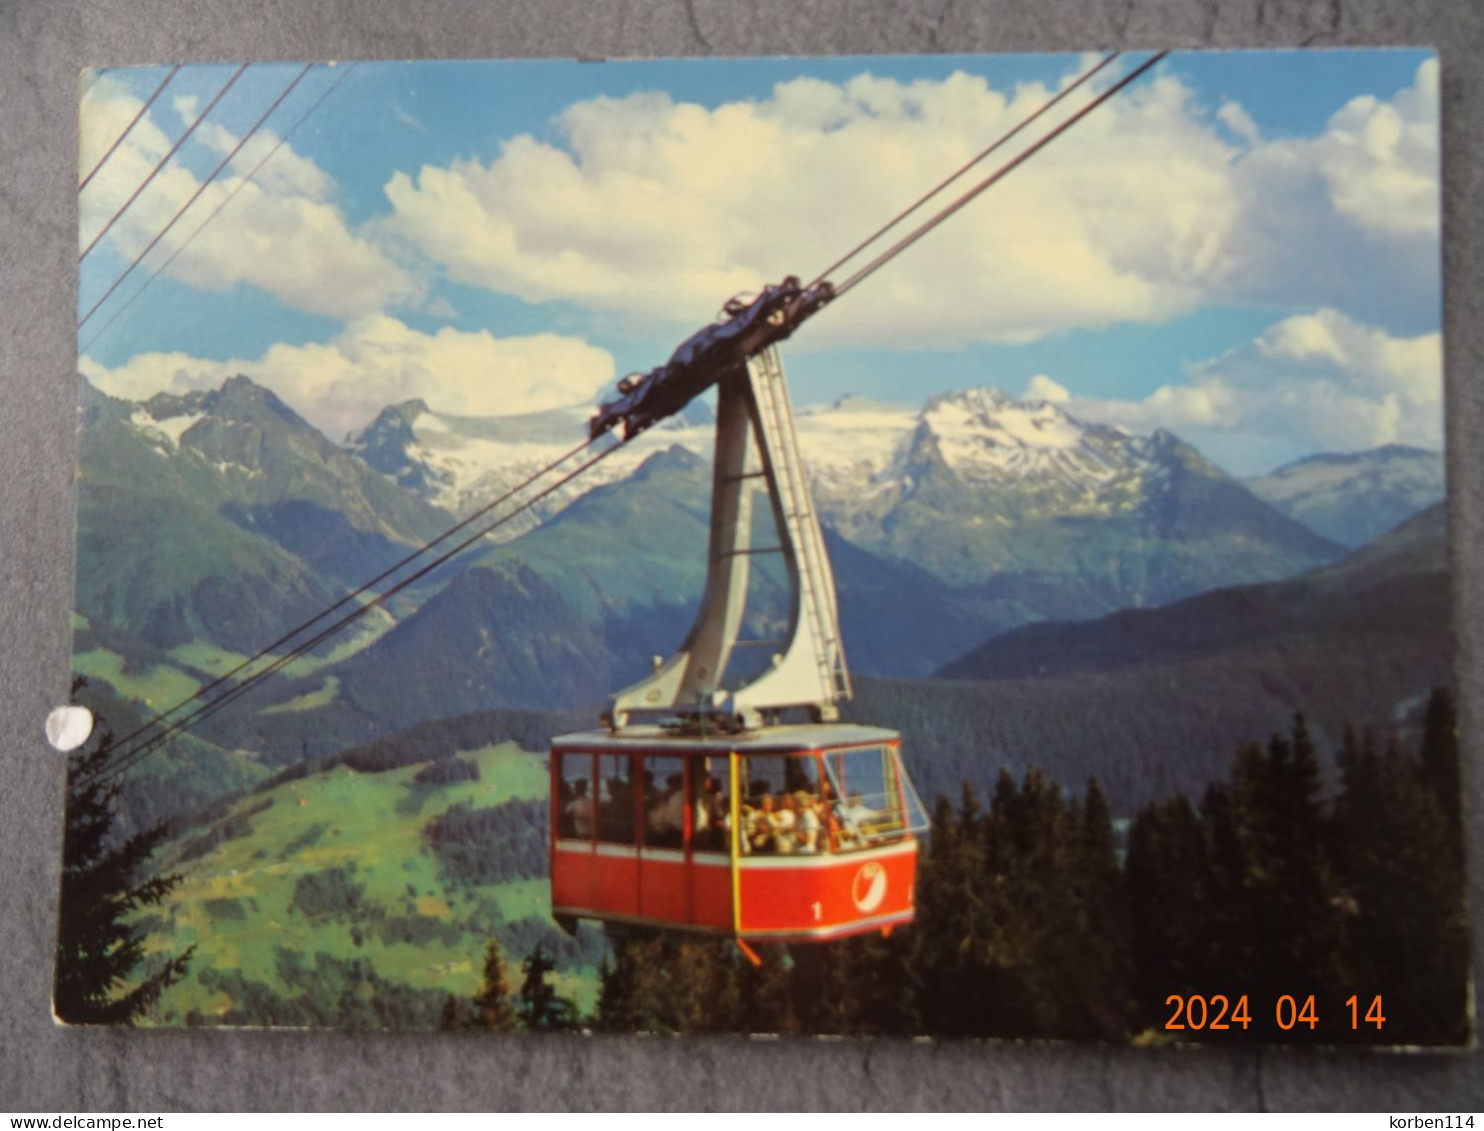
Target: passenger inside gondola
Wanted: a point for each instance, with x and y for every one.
(759, 825)
(666, 815)
(616, 805)
(786, 825)
(857, 812)
(664, 806)
(579, 812)
(807, 829)
(564, 802)
(709, 823)
(781, 813)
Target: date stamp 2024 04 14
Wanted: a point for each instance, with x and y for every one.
(1218, 1012)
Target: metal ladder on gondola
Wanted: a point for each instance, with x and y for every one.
(754, 422)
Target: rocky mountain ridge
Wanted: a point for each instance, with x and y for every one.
(1355, 497)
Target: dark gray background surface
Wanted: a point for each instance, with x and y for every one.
(48, 1069)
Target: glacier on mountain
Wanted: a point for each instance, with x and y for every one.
(856, 450)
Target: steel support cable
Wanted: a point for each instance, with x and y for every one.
(262, 653)
(195, 196)
(999, 174)
(962, 169)
(238, 187)
(163, 161)
(134, 121)
(131, 758)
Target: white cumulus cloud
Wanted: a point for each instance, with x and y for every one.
(1319, 381)
(1146, 209)
(1380, 160)
(282, 232)
(1239, 122)
(661, 209)
(1043, 388)
(341, 384)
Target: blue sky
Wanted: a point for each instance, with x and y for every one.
(1243, 247)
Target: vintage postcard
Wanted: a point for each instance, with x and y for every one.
(946, 546)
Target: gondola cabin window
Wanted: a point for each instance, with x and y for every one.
(652, 801)
(710, 805)
(616, 799)
(665, 802)
(801, 803)
(576, 807)
(785, 811)
(873, 798)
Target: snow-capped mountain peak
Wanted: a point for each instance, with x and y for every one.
(984, 437)
(1355, 497)
(463, 462)
(986, 419)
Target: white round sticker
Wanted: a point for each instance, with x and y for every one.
(67, 728)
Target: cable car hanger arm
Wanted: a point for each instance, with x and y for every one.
(710, 353)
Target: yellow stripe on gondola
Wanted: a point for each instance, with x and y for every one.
(736, 762)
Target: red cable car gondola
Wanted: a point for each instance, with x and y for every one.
(698, 807)
(787, 833)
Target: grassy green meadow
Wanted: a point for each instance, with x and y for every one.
(311, 889)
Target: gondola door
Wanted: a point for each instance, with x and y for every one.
(616, 859)
(710, 879)
(666, 822)
(573, 816)
(595, 865)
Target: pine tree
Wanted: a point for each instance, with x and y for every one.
(826, 989)
(854, 986)
(1228, 952)
(631, 988)
(1317, 945)
(671, 984)
(1037, 941)
(952, 985)
(703, 981)
(452, 1018)
(1100, 906)
(1440, 767)
(1360, 802)
(766, 993)
(1292, 900)
(1407, 932)
(98, 949)
(493, 1009)
(1166, 880)
(933, 922)
(539, 1007)
(615, 994)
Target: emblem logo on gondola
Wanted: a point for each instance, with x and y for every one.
(869, 886)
